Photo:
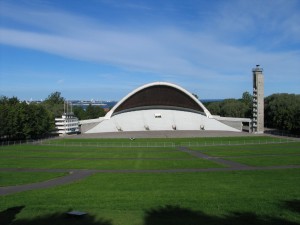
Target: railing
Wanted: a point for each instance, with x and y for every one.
(281, 133)
(134, 144)
(239, 142)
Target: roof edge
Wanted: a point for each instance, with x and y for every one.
(206, 112)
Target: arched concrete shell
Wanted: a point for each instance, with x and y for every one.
(158, 106)
(159, 95)
(159, 120)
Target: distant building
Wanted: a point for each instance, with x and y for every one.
(67, 123)
(258, 100)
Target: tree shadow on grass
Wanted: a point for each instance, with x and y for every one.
(292, 205)
(176, 215)
(8, 217)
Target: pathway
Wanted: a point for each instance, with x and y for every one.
(201, 155)
(71, 177)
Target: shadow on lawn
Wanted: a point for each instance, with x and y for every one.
(176, 215)
(8, 216)
(292, 205)
(167, 215)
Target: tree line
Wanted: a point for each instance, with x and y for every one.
(282, 111)
(241, 108)
(20, 120)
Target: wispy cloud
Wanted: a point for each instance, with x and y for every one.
(220, 51)
(269, 23)
(127, 4)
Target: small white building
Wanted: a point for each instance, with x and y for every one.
(67, 124)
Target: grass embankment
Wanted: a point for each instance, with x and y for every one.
(70, 157)
(257, 155)
(19, 178)
(232, 197)
(135, 164)
(265, 197)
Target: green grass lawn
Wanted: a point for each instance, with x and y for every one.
(84, 157)
(117, 164)
(268, 160)
(83, 148)
(88, 153)
(18, 178)
(250, 150)
(213, 198)
(137, 199)
(257, 155)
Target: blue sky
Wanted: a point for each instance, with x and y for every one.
(103, 49)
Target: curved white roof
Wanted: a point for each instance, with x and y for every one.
(206, 112)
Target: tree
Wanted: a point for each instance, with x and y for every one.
(18, 120)
(54, 98)
(282, 112)
(55, 104)
(214, 108)
(93, 112)
(79, 113)
(247, 99)
(233, 108)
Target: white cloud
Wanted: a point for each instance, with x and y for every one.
(265, 22)
(61, 81)
(201, 55)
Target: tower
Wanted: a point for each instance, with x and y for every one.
(258, 100)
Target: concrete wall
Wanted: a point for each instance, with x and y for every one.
(235, 124)
(85, 127)
(159, 119)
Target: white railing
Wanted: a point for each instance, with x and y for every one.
(153, 144)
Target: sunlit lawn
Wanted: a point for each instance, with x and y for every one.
(230, 197)
(124, 199)
(18, 178)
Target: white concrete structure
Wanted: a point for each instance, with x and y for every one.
(67, 124)
(242, 124)
(156, 106)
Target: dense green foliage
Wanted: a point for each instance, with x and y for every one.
(19, 120)
(233, 107)
(55, 104)
(282, 111)
(91, 112)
